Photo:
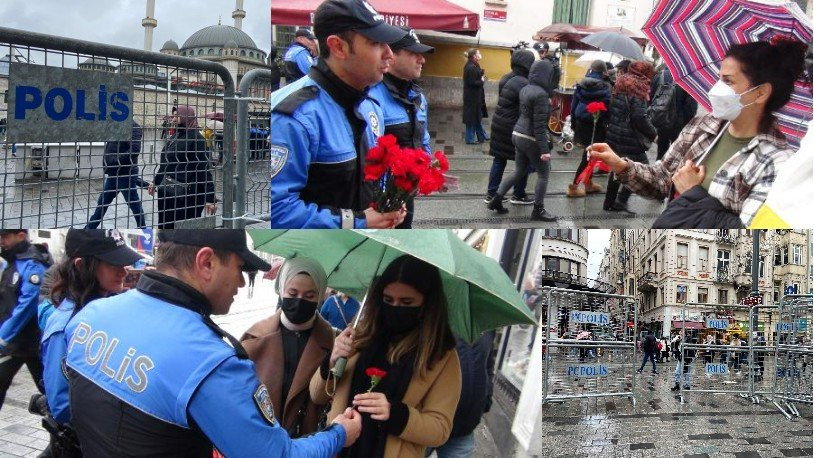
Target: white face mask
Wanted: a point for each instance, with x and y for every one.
(726, 103)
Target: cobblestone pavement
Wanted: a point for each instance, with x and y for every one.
(707, 425)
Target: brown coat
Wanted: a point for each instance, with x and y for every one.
(264, 344)
(431, 401)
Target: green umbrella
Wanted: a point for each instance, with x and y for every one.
(479, 294)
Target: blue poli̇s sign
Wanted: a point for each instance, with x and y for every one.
(586, 370)
(54, 104)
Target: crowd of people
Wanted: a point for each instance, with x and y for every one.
(145, 371)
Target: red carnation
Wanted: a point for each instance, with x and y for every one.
(443, 162)
(375, 154)
(595, 108)
(431, 181)
(374, 171)
(404, 183)
(376, 375)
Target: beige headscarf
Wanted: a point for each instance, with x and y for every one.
(295, 266)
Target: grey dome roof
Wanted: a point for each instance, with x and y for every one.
(218, 36)
(170, 45)
(97, 61)
(231, 44)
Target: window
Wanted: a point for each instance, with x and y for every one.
(797, 254)
(777, 257)
(785, 255)
(551, 264)
(571, 11)
(565, 266)
(567, 234)
(682, 249)
(661, 251)
(661, 294)
(761, 267)
(723, 260)
(681, 294)
(703, 295)
(723, 296)
(703, 259)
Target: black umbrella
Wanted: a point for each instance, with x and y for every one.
(615, 42)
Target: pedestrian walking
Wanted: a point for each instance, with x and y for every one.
(501, 147)
(288, 347)
(184, 181)
(200, 392)
(531, 141)
(325, 123)
(19, 295)
(251, 274)
(474, 98)
(592, 88)
(300, 56)
(404, 340)
(723, 164)
(684, 365)
(664, 349)
(122, 176)
(709, 354)
(403, 104)
(340, 310)
(671, 108)
(629, 129)
(94, 267)
(650, 348)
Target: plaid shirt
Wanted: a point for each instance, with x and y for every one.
(742, 182)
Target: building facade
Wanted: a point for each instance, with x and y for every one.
(666, 269)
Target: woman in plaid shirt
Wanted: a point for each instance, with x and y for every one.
(739, 143)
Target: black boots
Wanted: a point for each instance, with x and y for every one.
(675, 387)
(539, 213)
(496, 204)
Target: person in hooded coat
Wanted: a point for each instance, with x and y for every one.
(474, 98)
(530, 137)
(187, 162)
(503, 121)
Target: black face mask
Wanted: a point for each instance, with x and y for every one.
(399, 320)
(297, 310)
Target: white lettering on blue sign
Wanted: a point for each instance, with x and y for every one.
(587, 370)
(137, 381)
(716, 368)
(717, 323)
(579, 316)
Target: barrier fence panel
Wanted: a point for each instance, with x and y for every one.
(716, 360)
(252, 194)
(589, 345)
(763, 321)
(89, 135)
(793, 382)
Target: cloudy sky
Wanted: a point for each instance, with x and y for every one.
(118, 22)
(598, 240)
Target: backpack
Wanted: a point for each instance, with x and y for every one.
(662, 111)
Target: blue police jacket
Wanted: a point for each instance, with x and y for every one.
(19, 295)
(405, 111)
(321, 131)
(53, 351)
(297, 61)
(336, 313)
(168, 360)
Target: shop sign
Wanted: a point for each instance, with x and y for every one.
(494, 15)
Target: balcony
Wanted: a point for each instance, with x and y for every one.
(576, 280)
(722, 275)
(723, 236)
(647, 282)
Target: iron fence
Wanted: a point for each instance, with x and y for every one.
(794, 354)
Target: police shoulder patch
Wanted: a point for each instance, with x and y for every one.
(263, 402)
(374, 123)
(34, 279)
(278, 158)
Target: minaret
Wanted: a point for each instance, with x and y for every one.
(238, 14)
(149, 23)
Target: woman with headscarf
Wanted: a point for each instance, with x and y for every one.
(404, 338)
(184, 179)
(288, 347)
(630, 131)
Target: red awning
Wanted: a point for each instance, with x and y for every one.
(688, 324)
(439, 15)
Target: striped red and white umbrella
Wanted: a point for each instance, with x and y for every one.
(693, 36)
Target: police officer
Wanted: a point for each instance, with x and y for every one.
(94, 267)
(19, 296)
(323, 124)
(299, 57)
(403, 105)
(150, 373)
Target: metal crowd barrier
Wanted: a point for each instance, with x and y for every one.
(794, 354)
(762, 349)
(60, 182)
(590, 345)
(724, 366)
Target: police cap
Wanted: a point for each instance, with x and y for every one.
(233, 240)
(411, 43)
(105, 245)
(335, 16)
(304, 32)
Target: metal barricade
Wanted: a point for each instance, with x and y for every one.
(252, 194)
(76, 169)
(762, 349)
(793, 357)
(590, 345)
(717, 351)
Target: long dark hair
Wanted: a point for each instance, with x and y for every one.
(76, 283)
(432, 338)
(779, 62)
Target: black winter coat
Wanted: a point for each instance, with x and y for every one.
(186, 159)
(508, 105)
(686, 105)
(121, 157)
(535, 104)
(695, 208)
(477, 368)
(473, 93)
(649, 344)
(629, 126)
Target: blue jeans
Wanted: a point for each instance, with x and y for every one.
(496, 175)
(677, 374)
(456, 447)
(112, 186)
(472, 130)
(652, 357)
